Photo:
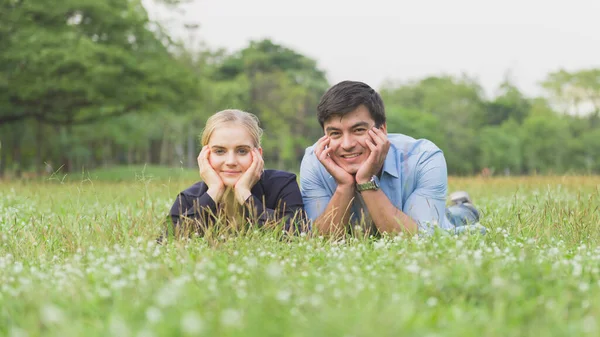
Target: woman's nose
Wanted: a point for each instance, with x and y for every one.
(230, 160)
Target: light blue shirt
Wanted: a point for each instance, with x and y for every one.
(414, 178)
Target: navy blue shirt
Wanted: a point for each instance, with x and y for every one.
(275, 197)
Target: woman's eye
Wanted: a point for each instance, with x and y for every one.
(219, 151)
(243, 151)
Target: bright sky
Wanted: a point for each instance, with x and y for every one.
(403, 40)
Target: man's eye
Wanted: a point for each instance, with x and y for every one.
(360, 130)
(334, 134)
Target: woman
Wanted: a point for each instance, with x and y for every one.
(235, 189)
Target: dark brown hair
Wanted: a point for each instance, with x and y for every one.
(346, 97)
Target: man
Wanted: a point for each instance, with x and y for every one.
(358, 174)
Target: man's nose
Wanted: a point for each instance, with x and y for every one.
(348, 142)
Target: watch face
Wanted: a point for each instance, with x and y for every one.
(375, 181)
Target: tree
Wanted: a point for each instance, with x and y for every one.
(576, 92)
(459, 106)
(79, 61)
(509, 104)
(500, 147)
(414, 123)
(544, 140)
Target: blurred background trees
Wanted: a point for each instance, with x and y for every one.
(87, 84)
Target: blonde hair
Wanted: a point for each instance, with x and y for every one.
(246, 119)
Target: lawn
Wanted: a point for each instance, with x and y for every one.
(78, 257)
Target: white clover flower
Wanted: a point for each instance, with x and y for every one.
(413, 268)
(18, 267)
(51, 314)
(577, 269)
(589, 324)
(251, 262)
(283, 295)
(191, 323)
(379, 244)
(231, 318)
(168, 295)
(583, 287)
(141, 274)
(315, 300)
(432, 302)
(274, 270)
(145, 333)
(241, 294)
(153, 315)
(118, 327)
(498, 282)
(119, 284)
(17, 332)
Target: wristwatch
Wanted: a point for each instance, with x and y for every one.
(372, 184)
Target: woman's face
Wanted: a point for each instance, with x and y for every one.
(230, 152)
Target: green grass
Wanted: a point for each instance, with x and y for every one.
(78, 258)
(128, 173)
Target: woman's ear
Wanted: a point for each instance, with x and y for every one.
(260, 151)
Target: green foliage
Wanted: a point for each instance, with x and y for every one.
(543, 144)
(82, 60)
(457, 102)
(501, 147)
(415, 123)
(571, 90)
(510, 104)
(86, 84)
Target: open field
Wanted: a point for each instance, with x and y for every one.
(78, 258)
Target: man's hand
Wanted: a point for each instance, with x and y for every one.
(250, 177)
(379, 145)
(322, 151)
(211, 178)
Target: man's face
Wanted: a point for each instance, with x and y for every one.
(348, 136)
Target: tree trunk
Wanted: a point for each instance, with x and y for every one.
(67, 161)
(39, 148)
(129, 156)
(191, 149)
(3, 151)
(17, 152)
(154, 151)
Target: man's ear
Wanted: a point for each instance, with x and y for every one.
(383, 127)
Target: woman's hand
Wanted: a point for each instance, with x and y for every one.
(210, 176)
(249, 178)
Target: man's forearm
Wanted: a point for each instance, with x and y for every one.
(337, 214)
(386, 217)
